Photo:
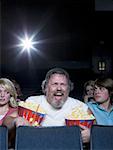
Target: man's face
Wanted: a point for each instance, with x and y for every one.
(101, 94)
(57, 90)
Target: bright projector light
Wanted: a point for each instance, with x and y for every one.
(27, 43)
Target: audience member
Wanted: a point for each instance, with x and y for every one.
(8, 95)
(88, 91)
(18, 90)
(8, 104)
(102, 107)
(56, 101)
(8, 108)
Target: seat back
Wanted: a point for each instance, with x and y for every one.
(101, 137)
(48, 138)
(3, 138)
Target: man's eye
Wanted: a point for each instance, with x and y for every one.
(63, 84)
(54, 84)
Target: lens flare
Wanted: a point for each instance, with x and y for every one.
(27, 43)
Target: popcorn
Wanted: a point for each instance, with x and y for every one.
(31, 106)
(32, 112)
(80, 114)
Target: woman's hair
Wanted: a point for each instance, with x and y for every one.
(17, 87)
(56, 71)
(9, 86)
(107, 83)
(88, 83)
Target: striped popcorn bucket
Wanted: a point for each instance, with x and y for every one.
(34, 118)
(86, 123)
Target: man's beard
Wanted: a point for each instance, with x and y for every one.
(57, 105)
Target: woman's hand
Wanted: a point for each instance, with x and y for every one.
(19, 121)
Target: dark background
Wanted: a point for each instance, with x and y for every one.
(74, 35)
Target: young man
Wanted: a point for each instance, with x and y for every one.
(102, 107)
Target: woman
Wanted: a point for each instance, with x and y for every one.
(8, 108)
(8, 104)
(88, 91)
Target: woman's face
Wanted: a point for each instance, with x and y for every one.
(89, 90)
(4, 96)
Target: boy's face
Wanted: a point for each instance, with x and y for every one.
(101, 94)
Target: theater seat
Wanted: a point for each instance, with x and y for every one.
(48, 138)
(3, 138)
(101, 137)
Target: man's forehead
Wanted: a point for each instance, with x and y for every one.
(58, 78)
(56, 75)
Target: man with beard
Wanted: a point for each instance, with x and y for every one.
(56, 101)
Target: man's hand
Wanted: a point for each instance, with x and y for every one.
(85, 132)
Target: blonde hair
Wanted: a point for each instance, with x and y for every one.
(9, 86)
(88, 83)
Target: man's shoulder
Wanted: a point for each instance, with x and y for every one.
(76, 102)
(35, 98)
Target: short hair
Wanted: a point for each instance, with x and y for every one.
(107, 83)
(56, 71)
(9, 86)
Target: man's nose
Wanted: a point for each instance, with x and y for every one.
(58, 87)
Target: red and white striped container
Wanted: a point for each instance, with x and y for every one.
(34, 118)
(86, 123)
